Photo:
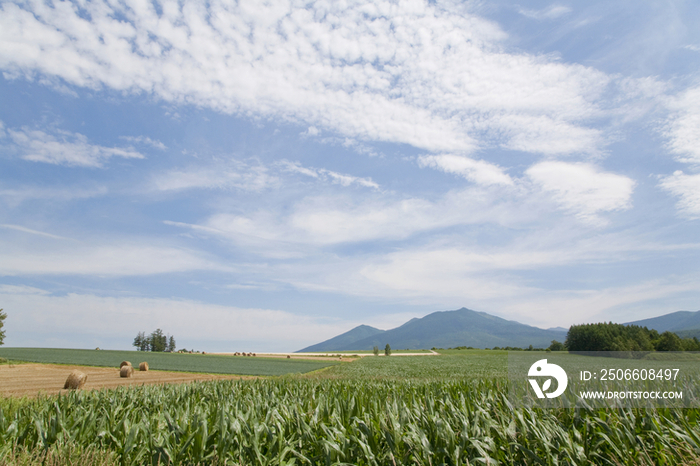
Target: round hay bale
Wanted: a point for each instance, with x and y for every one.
(126, 371)
(124, 363)
(143, 366)
(75, 380)
(289, 357)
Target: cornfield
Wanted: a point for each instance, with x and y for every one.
(292, 421)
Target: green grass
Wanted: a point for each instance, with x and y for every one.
(210, 364)
(450, 365)
(381, 351)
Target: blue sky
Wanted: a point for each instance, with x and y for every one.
(261, 177)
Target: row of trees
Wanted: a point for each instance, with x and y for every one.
(3, 316)
(618, 337)
(156, 341)
(387, 350)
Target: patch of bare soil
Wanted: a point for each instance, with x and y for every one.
(32, 379)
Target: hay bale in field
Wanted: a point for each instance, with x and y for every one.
(126, 371)
(143, 366)
(124, 363)
(289, 357)
(75, 380)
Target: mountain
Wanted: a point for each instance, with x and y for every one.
(447, 329)
(683, 323)
(344, 340)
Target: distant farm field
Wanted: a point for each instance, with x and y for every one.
(449, 365)
(210, 364)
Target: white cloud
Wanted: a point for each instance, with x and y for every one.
(311, 131)
(448, 273)
(145, 140)
(15, 196)
(112, 260)
(683, 126)
(615, 303)
(477, 171)
(234, 174)
(547, 136)
(328, 220)
(21, 289)
(432, 76)
(582, 188)
(64, 148)
(687, 187)
(30, 231)
(335, 177)
(88, 317)
(553, 11)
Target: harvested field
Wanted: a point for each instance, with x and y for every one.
(31, 379)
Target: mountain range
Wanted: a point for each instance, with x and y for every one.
(684, 323)
(464, 327)
(444, 329)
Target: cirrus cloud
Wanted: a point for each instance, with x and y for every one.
(582, 188)
(432, 76)
(64, 148)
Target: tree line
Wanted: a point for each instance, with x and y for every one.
(3, 316)
(156, 341)
(618, 337)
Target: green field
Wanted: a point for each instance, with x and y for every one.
(211, 364)
(450, 365)
(451, 409)
(381, 351)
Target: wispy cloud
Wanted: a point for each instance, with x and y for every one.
(682, 131)
(553, 11)
(683, 126)
(192, 322)
(230, 175)
(583, 189)
(30, 231)
(111, 260)
(322, 173)
(687, 188)
(63, 148)
(16, 195)
(478, 171)
(423, 75)
(145, 140)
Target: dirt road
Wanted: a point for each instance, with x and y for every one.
(32, 379)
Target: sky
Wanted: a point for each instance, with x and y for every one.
(262, 176)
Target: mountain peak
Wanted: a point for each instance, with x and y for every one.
(444, 329)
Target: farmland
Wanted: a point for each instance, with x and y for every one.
(449, 409)
(450, 365)
(211, 364)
